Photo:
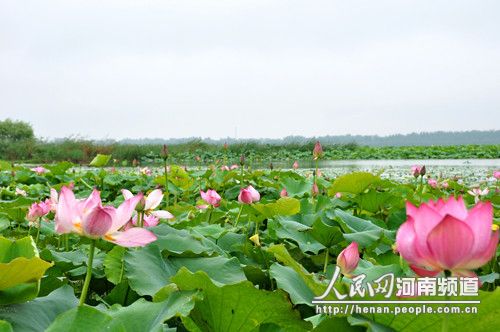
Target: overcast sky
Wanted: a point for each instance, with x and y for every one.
(218, 68)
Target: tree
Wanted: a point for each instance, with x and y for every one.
(15, 131)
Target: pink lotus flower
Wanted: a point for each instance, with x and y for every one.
(89, 218)
(348, 259)
(146, 171)
(433, 183)
(283, 193)
(211, 197)
(445, 185)
(338, 195)
(150, 203)
(39, 170)
(54, 199)
(317, 151)
(444, 235)
(148, 220)
(38, 210)
(478, 193)
(496, 175)
(248, 195)
(224, 168)
(295, 165)
(234, 166)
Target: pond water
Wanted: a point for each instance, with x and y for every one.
(471, 171)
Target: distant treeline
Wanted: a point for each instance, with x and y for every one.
(18, 143)
(414, 139)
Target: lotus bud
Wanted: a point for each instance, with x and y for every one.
(348, 259)
(255, 239)
(317, 151)
(164, 152)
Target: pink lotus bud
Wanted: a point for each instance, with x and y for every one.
(242, 160)
(338, 195)
(432, 182)
(348, 259)
(415, 170)
(315, 189)
(245, 196)
(496, 175)
(295, 164)
(317, 151)
(443, 235)
(283, 193)
(445, 185)
(211, 197)
(422, 171)
(255, 194)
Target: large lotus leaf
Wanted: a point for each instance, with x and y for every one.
(38, 314)
(22, 270)
(285, 206)
(238, 307)
(354, 183)
(146, 270)
(83, 318)
(100, 160)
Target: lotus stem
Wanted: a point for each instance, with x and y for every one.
(88, 276)
(327, 256)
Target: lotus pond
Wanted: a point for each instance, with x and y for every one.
(212, 248)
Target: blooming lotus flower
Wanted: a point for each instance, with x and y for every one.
(146, 171)
(478, 193)
(348, 259)
(21, 192)
(444, 235)
(54, 198)
(496, 175)
(211, 197)
(283, 193)
(39, 170)
(317, 151)
(432, 182)
(150, 203)
(38, 210)
(295, 164)
(89, 218)
(148, 220)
